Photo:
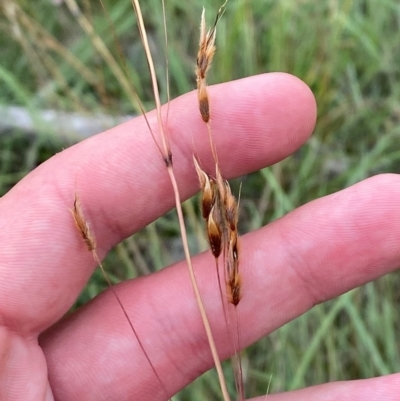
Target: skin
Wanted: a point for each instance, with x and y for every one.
(313, 254)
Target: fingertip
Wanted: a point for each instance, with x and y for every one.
(255, 122)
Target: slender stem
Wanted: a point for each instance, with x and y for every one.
(150, 62)
(167, 155)
(206, 323)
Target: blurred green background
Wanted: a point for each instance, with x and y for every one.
(348, 52)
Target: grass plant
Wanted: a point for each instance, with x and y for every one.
(349, 56)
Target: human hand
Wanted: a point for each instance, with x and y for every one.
(313, 254)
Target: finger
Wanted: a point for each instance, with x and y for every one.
(319, 251)
(123, 184)
(380, 388)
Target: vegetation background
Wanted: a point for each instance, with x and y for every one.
(347, 51)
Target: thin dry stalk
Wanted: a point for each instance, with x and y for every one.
(167, 154)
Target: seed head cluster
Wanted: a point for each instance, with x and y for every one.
(220, 212)
(219, 207)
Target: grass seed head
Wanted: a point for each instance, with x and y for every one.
(82, 225)
(204, 59)
(219, 206)
(206, 48)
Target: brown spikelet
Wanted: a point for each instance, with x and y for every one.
(208, 198)
(214, 232)
(206, 48)
(234, 248)
(204, 105)
(231, 209)
(223, 234)
(207, 44)
(207, 188)
(234, 290)
(230, 218)
(200, 173)
(234, 279)
(82, 225)
(220, 211)
(204, 59)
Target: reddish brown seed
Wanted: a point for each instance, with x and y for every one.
(214, 233)
(204, 105)
(204, 108)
